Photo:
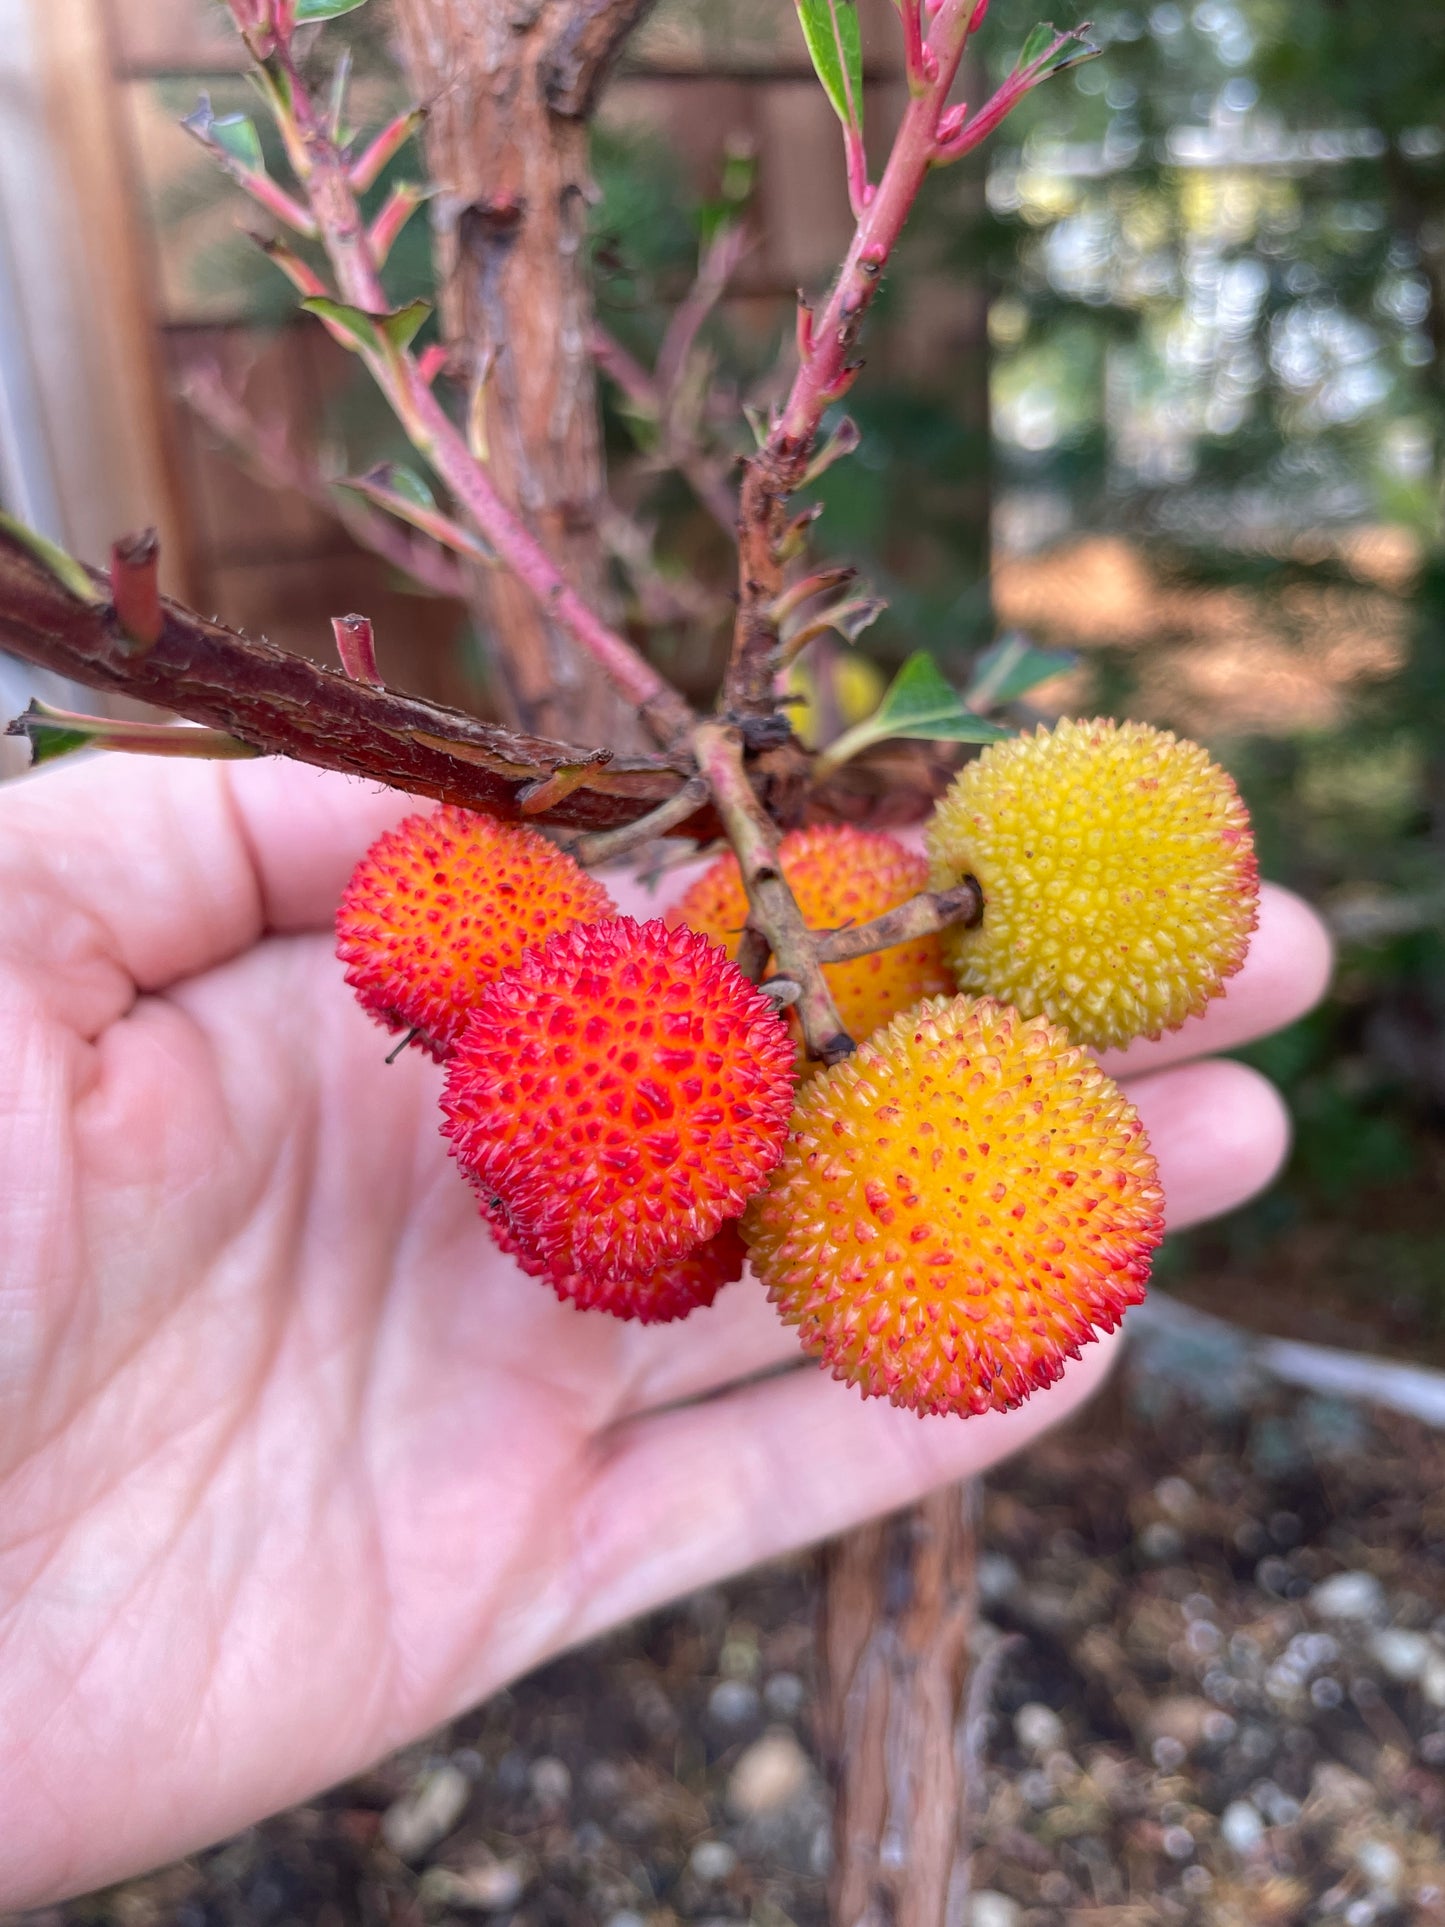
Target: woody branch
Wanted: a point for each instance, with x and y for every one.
(332, 209)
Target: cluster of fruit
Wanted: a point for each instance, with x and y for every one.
(947, 1215)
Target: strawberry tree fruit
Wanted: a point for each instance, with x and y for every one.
(442, 904)
(1118, 875)
(962, 1205)
(623, 1091)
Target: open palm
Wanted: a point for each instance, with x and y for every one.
(292, 1464)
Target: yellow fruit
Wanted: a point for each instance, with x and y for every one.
(960, 1206)
(1118, 873)
(839, 876)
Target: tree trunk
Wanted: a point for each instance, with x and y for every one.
(898, 1611)
(509, 86)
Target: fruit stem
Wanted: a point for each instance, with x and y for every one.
(921, 916)
(607, 845)
(774, 910)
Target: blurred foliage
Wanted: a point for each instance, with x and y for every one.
(1223, 330)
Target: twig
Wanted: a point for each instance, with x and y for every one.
(608, 845)
(686, 455)
(826, 367)
(331, 199)
(773, 908)
(282, 704)
(266, 453)
(716, 269)
(135, 587)
(921, 916)
(661, 598)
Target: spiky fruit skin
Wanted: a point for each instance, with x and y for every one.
(442, 904)
(672, 1289)
(962, 1205)
(624, 1090)
(1118, 873)
(839, 875)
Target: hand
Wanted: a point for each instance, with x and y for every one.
(293, 1465)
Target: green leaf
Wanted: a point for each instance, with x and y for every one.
(324, 9)
(830, 28)
(405, 482)
(1010, 668)
(400, 327)
(1037, 44)
(920, 703)
(350, 326)
(1052, 52)
(236, 136)
(52, 733)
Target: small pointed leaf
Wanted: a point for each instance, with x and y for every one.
(920, 703)
(403, 481)
(1011, 667)
(307, 10)
(1051, 52)
(52, 733)
(236, 136)
(835, 46)
(850, 619)
(401, 326)
(350, 326)
(1038, 42)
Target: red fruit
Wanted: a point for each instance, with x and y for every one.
(624, 1091)
(669, 1291)
(440, 905)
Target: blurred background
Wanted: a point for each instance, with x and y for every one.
(1159, 383)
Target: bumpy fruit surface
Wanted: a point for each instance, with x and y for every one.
(442, 904)
(839, 876)
(961, 1206)
(1118, 874)
(672, 1289)
(624, 1091)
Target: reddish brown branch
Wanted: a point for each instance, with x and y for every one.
(827, 368)
(331, 199)
(285, 705)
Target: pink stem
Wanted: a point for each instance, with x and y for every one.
(824, 374)
(344, 236)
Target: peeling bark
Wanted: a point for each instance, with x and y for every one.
(900, 1599)
(508, 85)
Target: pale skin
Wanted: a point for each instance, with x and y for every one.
(292, 1465)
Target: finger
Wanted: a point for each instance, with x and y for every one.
(685, 1497)
(1285, 974)
(1219, 1130)
(123, 874)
